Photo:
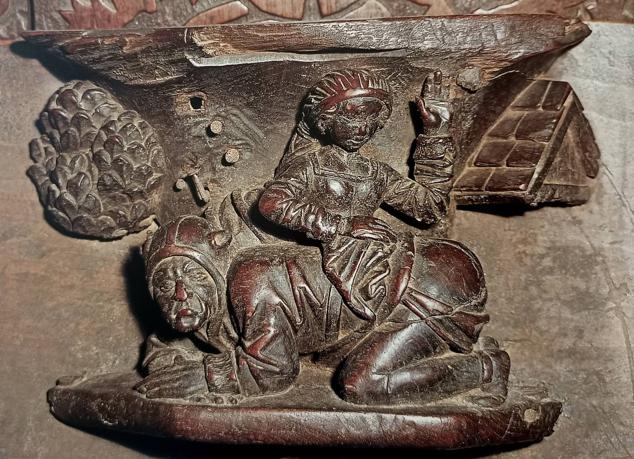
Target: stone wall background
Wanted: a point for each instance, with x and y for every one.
(560, 282)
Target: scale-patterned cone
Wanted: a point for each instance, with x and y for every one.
(98, 167)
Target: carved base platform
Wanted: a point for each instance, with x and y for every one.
(308, 415)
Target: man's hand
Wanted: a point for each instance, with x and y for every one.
(433, 105)
(364, 227)
(181, 380)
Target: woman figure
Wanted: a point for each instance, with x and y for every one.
(398, 316)
(417, 306)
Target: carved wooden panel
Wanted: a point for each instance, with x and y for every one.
(14, 18)
(84, 14)
(20, 15)
(541, 149)
(223, 127)
(88, 14)
(247, 145)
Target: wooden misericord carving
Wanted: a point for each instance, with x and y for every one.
(302, 177)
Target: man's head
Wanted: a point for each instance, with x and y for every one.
(347, 108)
(184, 291)
(182, 276)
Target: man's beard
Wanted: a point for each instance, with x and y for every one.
(189, 315)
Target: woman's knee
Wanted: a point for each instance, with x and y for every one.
(362, 385)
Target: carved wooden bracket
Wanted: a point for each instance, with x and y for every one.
(224, 111)
(304, 273)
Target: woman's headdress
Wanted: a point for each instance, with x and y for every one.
(332, 89)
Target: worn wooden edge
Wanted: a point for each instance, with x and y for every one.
(492, 37)
(149, 57)
(109, 403)
(312, 35)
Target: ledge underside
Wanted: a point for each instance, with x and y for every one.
(147, 56)
(308, 415)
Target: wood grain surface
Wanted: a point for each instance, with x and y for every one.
(17, 16)
(558, 279)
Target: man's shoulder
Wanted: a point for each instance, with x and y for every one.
(277, 253)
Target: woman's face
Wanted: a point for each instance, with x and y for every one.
(354, 122)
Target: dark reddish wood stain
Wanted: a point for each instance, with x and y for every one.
(299, 311)
(510, 180)
(305, 416)
(494, 153)
(55, 15)
(525, 154)
(537, 128)
(220, 14)
(98, 16)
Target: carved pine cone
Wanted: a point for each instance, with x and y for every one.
(98, 167)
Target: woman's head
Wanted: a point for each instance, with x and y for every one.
(346, 108)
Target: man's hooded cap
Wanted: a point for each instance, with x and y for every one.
(188, 236)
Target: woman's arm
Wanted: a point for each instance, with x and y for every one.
(283, 202)
(427, 199)
(427, 203)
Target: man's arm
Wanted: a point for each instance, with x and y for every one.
(161, 353)
(178, 370)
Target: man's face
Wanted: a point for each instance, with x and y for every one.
(184, 291)
(355, 122)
